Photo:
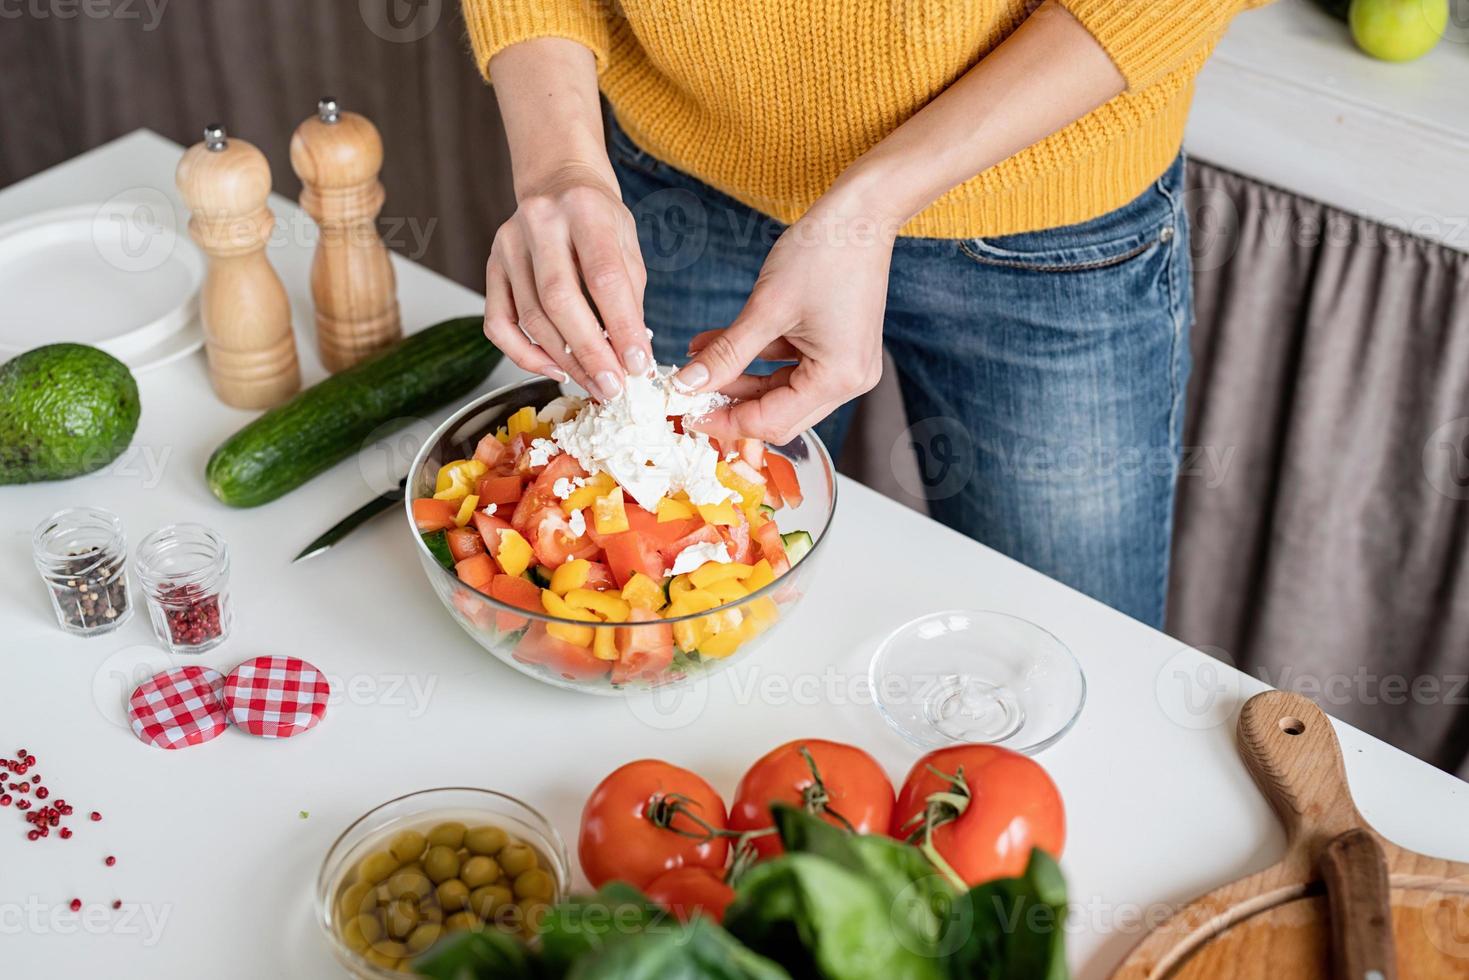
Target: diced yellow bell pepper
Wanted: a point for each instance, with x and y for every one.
(455, 491)
(670, 509)
(679, 585)
(761, 575)
(713, 571)
(502, 434)
(687, 635)
(751, 493)
(445, 478)
(457, 478)
(514, 553)
(720, 513)
(727, 591)
(723, 644)
(762, 611)
(521, 422)
(571, 575)
(584, 496)
(755, 516)
(542, 430)
(582, 636)
(693, 601)
(610, 607)
(466, 510)
(641, 591)
(725, 619)
(608, 513)
(604, 644)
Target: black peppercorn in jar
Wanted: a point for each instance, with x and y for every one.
(184, 570)
(81, 554)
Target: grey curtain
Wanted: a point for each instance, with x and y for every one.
(1322, 523)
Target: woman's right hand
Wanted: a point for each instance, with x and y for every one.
(566, 266)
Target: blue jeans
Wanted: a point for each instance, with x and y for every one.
(1042, 373)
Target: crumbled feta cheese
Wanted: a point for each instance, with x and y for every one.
(564, 487)
(578, 523)
(560, 409)
(632, 439)
(695, 555)
(541, 451)
(490, 509)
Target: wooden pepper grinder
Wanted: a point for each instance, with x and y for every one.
(338, 156)
(246, 315)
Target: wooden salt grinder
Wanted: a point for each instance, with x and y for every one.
(243, 306)
(338, 156)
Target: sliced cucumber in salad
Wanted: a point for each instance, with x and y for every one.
(797, 544)
(438, 546)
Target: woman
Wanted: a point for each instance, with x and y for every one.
(991, 192)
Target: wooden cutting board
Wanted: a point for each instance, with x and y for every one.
(1274, 925)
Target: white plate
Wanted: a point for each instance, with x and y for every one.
(116, 275)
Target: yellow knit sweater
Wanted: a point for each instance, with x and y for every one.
(769, 100)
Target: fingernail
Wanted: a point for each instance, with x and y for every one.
(693, 377)
(607, 384)
(556, 374)
(635, 360)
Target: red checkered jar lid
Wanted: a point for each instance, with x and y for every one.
(178, 708)
(275, 697)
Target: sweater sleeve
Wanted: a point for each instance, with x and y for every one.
(1147, 39)
(494, 25)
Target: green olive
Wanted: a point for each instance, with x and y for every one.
(479, 870)
(453, 894)
(355, 898)
(460, 921)
(390, 948)
(517, 858)
(423, 937)
(488, 900)
(441, 863)
(532, 914)
(376, 867)
(381, 959)
(486, 840)
(429, 911)
(413, 884)
(368, 926)
(535, 884)
(402, 917)
(450, 834)
(408, 846)
(353, 937)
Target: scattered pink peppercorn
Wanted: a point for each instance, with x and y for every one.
(66, 833)
(96, 816)
(110, 861)
(42, 792)
(117, 903)
(76, 905)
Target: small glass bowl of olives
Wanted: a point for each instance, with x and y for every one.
(433, 863)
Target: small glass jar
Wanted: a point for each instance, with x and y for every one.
(81, 554)
(184, 570)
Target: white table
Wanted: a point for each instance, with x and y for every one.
(219, 844)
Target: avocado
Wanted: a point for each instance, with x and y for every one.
(65, 410)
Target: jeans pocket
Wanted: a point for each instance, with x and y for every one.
(624, 151)
(1120, 235)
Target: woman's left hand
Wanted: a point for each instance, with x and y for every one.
(819, 301)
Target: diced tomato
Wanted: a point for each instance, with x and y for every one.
(772, 497)
(465, 542)
(643, 652)
(553, 542)
(499, 490)
(476, 572)
(703, 534)
(564, 659)
(772, 548)
(434, 515)
(489, 527)
(519, 450)
(782, 473)
(564, 465)
(490, 450)
(737, 537)
(647, 525)
(599, 577)
(629, 553)
(752, 451)
(514, 591)
(473, 608)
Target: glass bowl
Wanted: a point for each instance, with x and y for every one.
(349, 888)
(519, 637)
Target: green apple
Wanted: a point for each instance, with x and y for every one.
(1398, 30)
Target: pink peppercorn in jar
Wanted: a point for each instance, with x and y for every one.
(184, 570)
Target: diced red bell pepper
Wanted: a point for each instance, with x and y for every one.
(514, 591)
(499, 490)
(629, 553)
(434, 515)
(782, 473)
(564, 659)
(465, 542)
(476, 572)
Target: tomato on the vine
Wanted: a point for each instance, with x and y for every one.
(841, 784)
(648, 818)
(980, 809)
(686, 891)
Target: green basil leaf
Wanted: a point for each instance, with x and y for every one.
(700, 950)
(1011, 928)
(486, 955)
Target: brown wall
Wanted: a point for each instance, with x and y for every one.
(77, 73)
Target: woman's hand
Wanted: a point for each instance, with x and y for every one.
(819, 301)
(571, 230)
(571, 237)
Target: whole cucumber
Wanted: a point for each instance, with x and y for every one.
(333, 419)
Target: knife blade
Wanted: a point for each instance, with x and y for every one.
(353, 521)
